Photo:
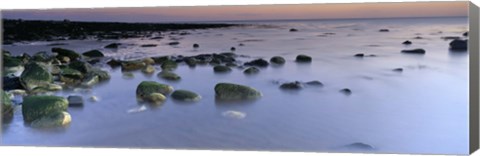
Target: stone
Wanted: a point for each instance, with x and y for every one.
(251, 70)
(414, 51)
(169, 65)
(459, 44)
(114, 63)
(148, 45)
(293, 30)
(185, 95)
(277, 60)
(113, 45)
(36, 107)
(196, 45)
(149, 69)
(173, 43)
(168, 75)
(292, 85)
(81, 66)
(132, 65)
(58, 119)
(155, 98)
(75, 101)
(146, 88)
(359, 55)
(72, 55)
(10, 83)
(233, 49)
(149, 61)
(93, 53)
(191, 62)
(407, 42)
(258, 63)
(7, 106)
(234, 114)
(303, 58)
(314, 83)
(346, 91)
(383, 30)
(230, 91)
(35, 75)
(221, 69)
(398, 70)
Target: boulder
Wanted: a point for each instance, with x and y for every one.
(459, 44)
(35, 75)
(277, 60)
(145, 88)
(293, 30)
(72, 55)
(75, 101)
(303, 58)
(414, 51)
(58, 119)
(251, 70)
(36, 107)
(185, 95)
(132, 65)
(196, 45)
(155, 98)
(258, 63)
(81, 66)
(71, 76)
(292, 85)
(102, 75)
(42, 57)
(93, 53)
(168, 75)
(169, 65)
(221, 69)
(359, 55)
(230, 91)
(149, 69)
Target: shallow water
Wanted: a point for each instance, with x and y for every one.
(424, 109)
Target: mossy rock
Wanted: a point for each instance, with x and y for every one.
(11, 61)
(292, 85)
(93, 53)
(149, 61)
(149, 69)
(160, 59)
(251, 70)
(132, 65)
(155, 98)
(102, 75)
(72, 55)
(221, 69)
(192, 62)
(7, 106)
(169, 65)
(81, 66)
(277, 60)
(42, 57)
(230, 91)
(36, 107)
(146, 88)
(168, 75)
(185, 95)
(35, 75)
(303, 58)
(58, 119)
(258, 63)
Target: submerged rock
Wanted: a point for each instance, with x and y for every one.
(58, 119)
(277, 60)
(132, 65)
(185, 95)
(258, 63)
(346, 91)
(459, 44)
(75, 101)
(149, 69)
(145, 88)
(251, 70)
(414, 51)
(169, 65)
(407, 42)
(191, 62)
(359, 146)
(93, 53)
(36, 107)
(81, 66)
(168, 75)
(35, 75)
(303, 58)
(292, 85)
(221, 69)
(314, 83)
(230, 91)
(234, 114)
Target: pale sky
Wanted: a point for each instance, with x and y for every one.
(251, 12)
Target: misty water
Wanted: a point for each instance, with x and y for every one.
(423, 109)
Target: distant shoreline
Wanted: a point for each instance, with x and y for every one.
(17, 30)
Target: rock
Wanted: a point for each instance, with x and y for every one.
(241, 44)
(314, 83)
(185, 95)
(450, 37)
(465, 34)
(42, 57)
(303, 58)
(148, 45)
(277, 60)
(359, 146)
(292, 85)
(72, 55)
(94, 99)
(293, 30)
(398, 70)
(113, 45)
(418, 37)
(7, 106)
(127, 75)
(168, 75)
(174, 43)
(156, 98)
(12, 64)
(149, 61)
(230, 64)
(169, 65)
(251, 70)
(346, 91)
(132, 65)
(383, 30)
(359, 55)
(414, 51)
(230, 91)
(191, 62)
(58, 119)
(407, 42)
(149, 69)
(36, 107)
(114, 63)
(258, 63)
(145, 88)
(81, 66)
(161, 59)
(234, 114)
(459, 44)
(221, 69)
(20, 92)
(233, 49)
(102, 75)
(35, 75)
(10, 83)
(75, 101)
(196, 45)
(71, 76)
(93, 53)
(90, 81)
(62, 59)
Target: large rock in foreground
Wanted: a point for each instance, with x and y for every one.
(230, 91)
(36, 107)
(185, 95)
(35, 75)
(146, 88)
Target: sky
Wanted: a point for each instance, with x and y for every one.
(247, 12)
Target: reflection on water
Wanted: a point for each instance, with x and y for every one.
(423, 109)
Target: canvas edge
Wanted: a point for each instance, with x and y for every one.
(473, 34)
